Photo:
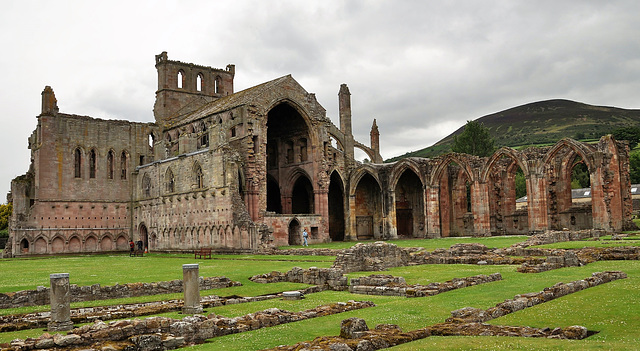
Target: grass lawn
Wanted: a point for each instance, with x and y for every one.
(429, 244)
(613, 309)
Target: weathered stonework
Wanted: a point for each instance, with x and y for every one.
(250, 170)
(77, 293)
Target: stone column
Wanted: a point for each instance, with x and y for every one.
(60, 301)
(190, 286)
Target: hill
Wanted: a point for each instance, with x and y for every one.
(543, 122)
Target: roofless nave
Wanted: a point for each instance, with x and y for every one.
(249, 169)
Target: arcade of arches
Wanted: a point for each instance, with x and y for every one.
(253, 169)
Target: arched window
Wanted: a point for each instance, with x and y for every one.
(218, 87)
(199, 82)
(110, 158)
(92, 163)
(169, 181)
(123, 165)
(199, 178)
(180, 79)
(146, 185)
(77, 163)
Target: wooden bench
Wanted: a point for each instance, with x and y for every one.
(136, 253)
(202, 253)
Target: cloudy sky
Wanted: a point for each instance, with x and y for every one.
(421, 68)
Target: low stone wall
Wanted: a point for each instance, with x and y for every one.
(157, 333)
(300, 252)
(387, 285)
(377, 256)
(105, 313)
(40, 296)
(522, 301)
(556, 236)
(329, 278)
(356, 336)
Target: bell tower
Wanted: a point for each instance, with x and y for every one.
(184, 87)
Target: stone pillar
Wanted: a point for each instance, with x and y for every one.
(60, 302)
(433, 211)
(537, 203)
(480, 208)
(190, 286)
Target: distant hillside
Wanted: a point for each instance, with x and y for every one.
(543, 122)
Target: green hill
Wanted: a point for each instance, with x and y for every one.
(541, 123)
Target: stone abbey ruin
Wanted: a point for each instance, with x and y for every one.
(249, 170)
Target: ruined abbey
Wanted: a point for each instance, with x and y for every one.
(250, 169)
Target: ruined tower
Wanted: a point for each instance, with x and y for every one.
(344, 106)
(184, 87)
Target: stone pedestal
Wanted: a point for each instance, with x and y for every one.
(190, 280)
(60, 303)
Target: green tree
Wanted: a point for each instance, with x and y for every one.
(521, 184)
(474, 140)
(5, 213)
(634, 167)
(631, 134)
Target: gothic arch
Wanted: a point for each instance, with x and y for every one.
(584, 150)
(444, 162)
(503, 152)
(359, 174)
(398, 169)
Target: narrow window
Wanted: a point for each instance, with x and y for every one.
(77, 163)
(141, 160)
(169, 181)
(110, 165)
(123, 165)
(92, 163)
(218, 89)
(199, 82)
(197, 171)
(180, 79)
(233, 131)
(151, 140)
(146, 185)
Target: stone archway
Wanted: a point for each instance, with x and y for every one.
(294, 232)
(144, 236)
(368, 197)
(336, 208)
(409, 204)
(302, 196)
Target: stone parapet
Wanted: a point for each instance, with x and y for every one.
(40, 296)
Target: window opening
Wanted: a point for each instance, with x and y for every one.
(199, 82)
(123, 165)
(92, 164)
(180, 79)
(146, 185)
(198, 176)
(77, 163)
(110, 165)
(170, 181)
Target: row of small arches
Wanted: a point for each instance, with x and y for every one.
(200, 82)
(75, 243)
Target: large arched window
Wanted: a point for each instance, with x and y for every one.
(92, 163)
(77, 163)
(169, 181)
(198, 176)
(123, 165)
(110, 158)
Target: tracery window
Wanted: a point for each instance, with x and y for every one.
(199, 177)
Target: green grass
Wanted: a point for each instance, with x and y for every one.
(612, 309)
(605, 241)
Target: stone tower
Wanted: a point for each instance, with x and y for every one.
(344, 106)
(184, 87)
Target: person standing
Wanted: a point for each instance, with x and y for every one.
(305, 235)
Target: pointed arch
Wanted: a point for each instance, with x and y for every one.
(124, 164)
(110, 164)
(169, 181)
(92, 163)
(336, 203)
(77, 162)
(198, 176)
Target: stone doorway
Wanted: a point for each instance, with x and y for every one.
(336, 208)
(294, 233)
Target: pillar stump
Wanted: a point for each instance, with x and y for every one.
(60, 300)
(191, 288)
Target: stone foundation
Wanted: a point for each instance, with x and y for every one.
(330, 278)
(395, 286)
(156, 333)
(40, 296)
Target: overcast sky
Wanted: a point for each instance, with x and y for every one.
(421, 68)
